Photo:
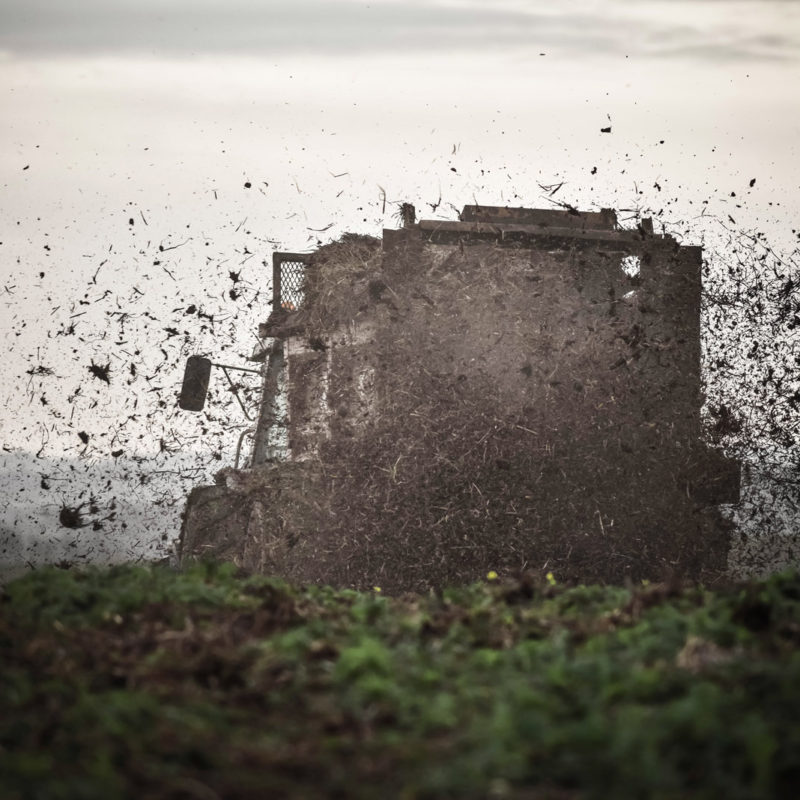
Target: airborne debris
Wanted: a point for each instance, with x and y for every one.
(101, 372)
(72, 517)
(39, 370)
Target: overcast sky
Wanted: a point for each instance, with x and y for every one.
(128, 127)
(709, 29)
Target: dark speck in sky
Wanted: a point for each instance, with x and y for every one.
(71, 517)
(100, 372)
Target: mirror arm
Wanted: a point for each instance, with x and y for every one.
(233, 386)
(240, 369)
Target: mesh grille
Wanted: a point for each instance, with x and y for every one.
(288, 275)
(292, 275)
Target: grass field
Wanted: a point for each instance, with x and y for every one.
(136, 682)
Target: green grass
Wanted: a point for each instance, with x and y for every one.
(146, 682)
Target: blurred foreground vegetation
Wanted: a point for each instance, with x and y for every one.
(137, 682)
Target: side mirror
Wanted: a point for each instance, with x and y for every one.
(195, 383)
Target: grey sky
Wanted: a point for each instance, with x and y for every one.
(760, 29)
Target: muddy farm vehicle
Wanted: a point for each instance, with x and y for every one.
(516, 390)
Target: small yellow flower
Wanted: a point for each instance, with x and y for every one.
(377, 589)
(491, 575)
(551, 578)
